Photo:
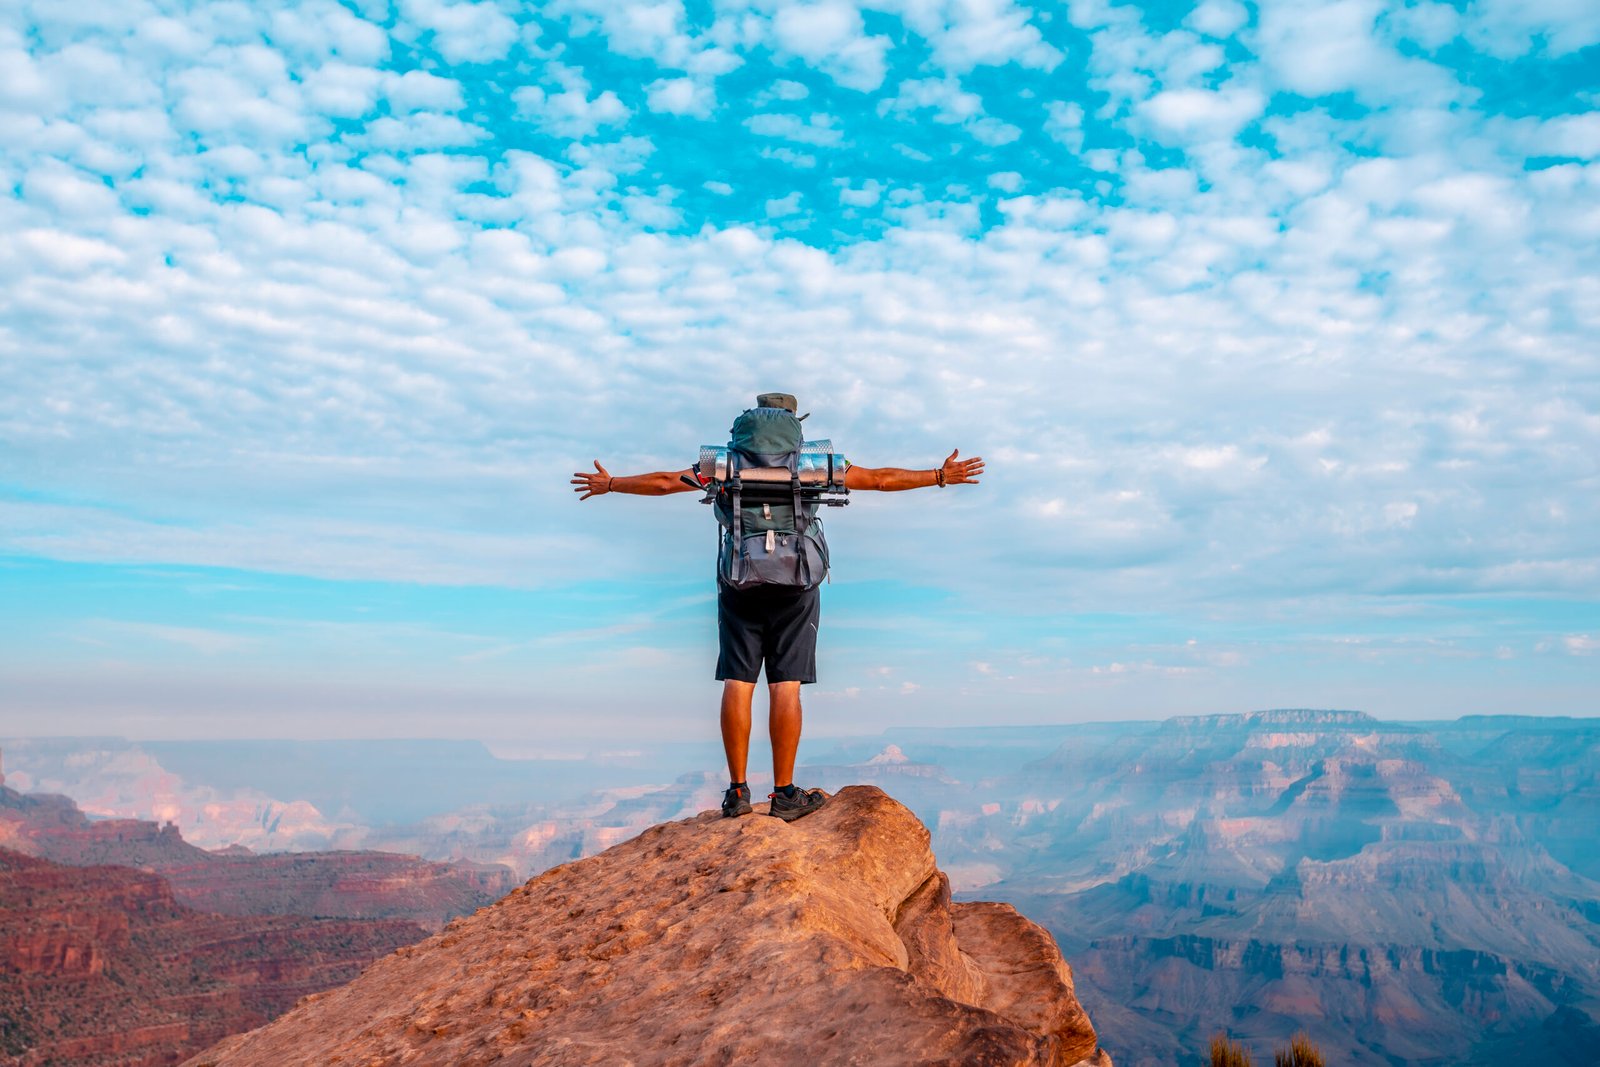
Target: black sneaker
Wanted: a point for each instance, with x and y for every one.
(735, 802)
(804, 802)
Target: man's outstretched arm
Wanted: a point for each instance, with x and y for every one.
(659, 483)
(955, 471)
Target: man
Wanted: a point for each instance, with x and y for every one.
(771, 624)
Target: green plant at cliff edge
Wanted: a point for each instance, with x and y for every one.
(1300, 1053)
(1225, 1053)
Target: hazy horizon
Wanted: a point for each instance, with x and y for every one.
(578, 747)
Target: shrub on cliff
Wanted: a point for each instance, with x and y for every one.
(1300, 1053)
(1225, 1053)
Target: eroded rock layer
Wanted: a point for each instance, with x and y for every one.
(350, 885)
(103, 967)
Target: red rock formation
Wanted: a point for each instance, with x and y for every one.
(713, 941)
(355, 885)
(103, 966)
(1390, 889)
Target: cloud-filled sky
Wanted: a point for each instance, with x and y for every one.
(1278, 324)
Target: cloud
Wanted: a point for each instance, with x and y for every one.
(819, 129)
(870, 193)
(342, 90)
(196, 639)
(943, 96)
(783, 89)
(65, 253)
(323, 32)
(680, 96)
(975, 33)
(254, 102)
(1189, 114)
(950, 104)
(831, 37)
(1577, 136)
(784, 205)
(571, 112)
(68, 191)
(1509, 28)
(1065, 123)
(420, 131)
(789, 156)
(659, 31)
(345, 550)
(1218, 18)
(463, 32)
(417, 90)
(1317, 49)
(991, 131)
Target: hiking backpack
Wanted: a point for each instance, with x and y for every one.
(770, 531)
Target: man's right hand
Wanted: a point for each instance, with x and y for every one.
(596, 484)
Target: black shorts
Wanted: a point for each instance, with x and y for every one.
(776, 625)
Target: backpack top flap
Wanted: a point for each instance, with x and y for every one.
(765, 437)
(770, 437)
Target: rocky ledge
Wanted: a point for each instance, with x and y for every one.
(831, 940)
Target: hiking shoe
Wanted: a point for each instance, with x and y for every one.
(735, 802)
(804, 803)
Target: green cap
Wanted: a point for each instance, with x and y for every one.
(778, 400)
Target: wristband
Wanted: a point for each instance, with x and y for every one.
(938, 475)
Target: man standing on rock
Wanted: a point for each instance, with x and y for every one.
(772, 560)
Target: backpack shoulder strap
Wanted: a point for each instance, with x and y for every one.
(736, 531)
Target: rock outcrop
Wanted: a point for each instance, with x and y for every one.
(831, 940)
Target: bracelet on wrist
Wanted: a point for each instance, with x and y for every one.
(938, 477)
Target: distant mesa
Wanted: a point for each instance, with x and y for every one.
(1317, 717)
(892, 762)
(236, 881)
(707, 940)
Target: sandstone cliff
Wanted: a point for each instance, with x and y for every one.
(103, 967)
(831, 940)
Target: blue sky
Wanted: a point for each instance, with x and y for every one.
(1277, 324)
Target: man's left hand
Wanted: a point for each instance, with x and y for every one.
(596, 484)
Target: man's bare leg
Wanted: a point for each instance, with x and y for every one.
(784, 724)
(736, 698)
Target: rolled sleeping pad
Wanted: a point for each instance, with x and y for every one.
(773, 474)
(820, 466)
